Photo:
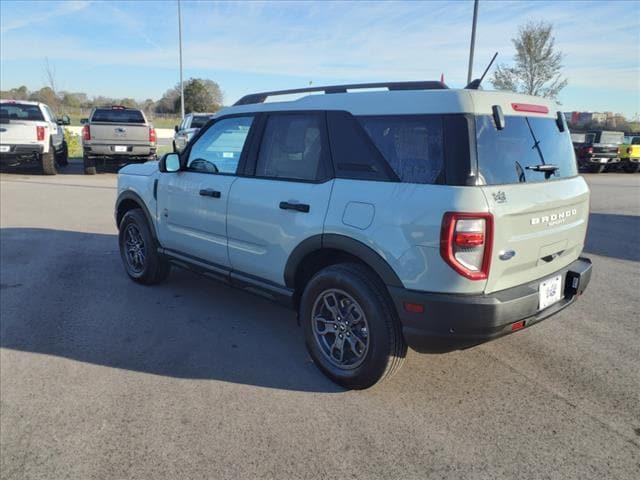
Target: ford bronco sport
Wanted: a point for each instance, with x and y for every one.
(415, 216)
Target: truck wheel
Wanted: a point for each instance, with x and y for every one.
(63, 156)
(351, 327)
(139, 251)
(89, 165)
(49, 162)
(597, 168)
(631, 167)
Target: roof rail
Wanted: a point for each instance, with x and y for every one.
(420, 85)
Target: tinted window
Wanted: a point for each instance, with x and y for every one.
(20, 111)
(218, 150)
(411, 144)
(635, 141)
(508, 155)
(291, 147)
(105, 115)
(199, 122)
(612, 137)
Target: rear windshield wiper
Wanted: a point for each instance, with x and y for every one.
(545, 167)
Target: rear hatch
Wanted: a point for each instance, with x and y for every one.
(540, 206)
(119, 126)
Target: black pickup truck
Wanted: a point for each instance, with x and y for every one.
(599, 151)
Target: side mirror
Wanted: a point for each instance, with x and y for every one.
(170, 163)
(498, 117)
(84, 120)
(64, 120)
(176, 128)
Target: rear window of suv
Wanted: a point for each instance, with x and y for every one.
(107, 115)
(21, 111)
(512, 154)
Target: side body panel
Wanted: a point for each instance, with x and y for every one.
(401, 222)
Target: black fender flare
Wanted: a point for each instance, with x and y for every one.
(129, 195)
(346, 244)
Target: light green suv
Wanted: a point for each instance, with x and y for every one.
(417, 216)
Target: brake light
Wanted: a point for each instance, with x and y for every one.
(152, 135)
(40, 133)
(466, 240)
(589, 149)
(629, 149)
(86, 133)
(529, 107)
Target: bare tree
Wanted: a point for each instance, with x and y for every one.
(537, 64)
(50, 72)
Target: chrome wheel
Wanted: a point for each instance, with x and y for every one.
(134, 248)
(340, 328)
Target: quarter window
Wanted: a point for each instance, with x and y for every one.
(411, 144)
(291, 147)
(219, 149)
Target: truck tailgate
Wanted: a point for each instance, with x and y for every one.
(19, 132)
(127, 134)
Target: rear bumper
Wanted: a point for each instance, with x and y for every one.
(454, 321)
(109, 150)
(602, 159)
(21, 152)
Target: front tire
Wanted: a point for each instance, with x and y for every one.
(89, 165)
(350, 325)
(139, 251)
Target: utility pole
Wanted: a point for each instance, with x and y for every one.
(473, 39)
(180, 43)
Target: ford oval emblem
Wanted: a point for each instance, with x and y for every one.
(506, 254)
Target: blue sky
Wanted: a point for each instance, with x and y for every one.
(129, 49)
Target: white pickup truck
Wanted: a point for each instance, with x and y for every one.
(31, 133)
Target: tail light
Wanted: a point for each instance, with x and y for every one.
(629, 149)
(466, 240)
(40, 133)
(86, 133)
(589, 149)
(152, 135)
(618, 151)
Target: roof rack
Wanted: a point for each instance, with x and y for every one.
(420, 85)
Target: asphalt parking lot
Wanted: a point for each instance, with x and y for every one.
(102, 378)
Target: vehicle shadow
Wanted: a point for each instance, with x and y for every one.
(65, 294)
(615, 236)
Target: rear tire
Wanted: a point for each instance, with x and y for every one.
(139, 250)
(351, 328)
(48, 160)
(89, 165)
(63, 156)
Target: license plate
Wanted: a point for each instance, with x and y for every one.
(550, 291)
(4, 148)
(119, 148)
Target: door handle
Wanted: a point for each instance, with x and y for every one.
(298, 207)
(207, 192)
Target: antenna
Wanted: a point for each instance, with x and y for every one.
(475, 84)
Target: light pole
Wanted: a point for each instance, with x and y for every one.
(473, 40)
(180, 43)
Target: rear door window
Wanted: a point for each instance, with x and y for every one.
(411, 144)
(199, 121)
(514, 154)
(107, 115)
(292, 147)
